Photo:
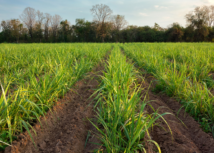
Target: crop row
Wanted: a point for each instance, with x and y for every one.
(34, 76)
(123, 123)
(183, 71)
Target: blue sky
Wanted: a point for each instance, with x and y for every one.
(136, 12)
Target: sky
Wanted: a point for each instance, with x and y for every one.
(136, 12)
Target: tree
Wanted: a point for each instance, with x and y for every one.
(65, 30)
(29, 18)
(146, 34)
(102, 14)
(0, 28)
(131, 33)
(55, 22)
(47, 24)
(15, 28)
(175, 32)
(211, 16)
(119, 23)
(84, 31)
(157, 27)
(189, 34)
(198, 20)
(209, 11)
(79, 29)
(6, 30)
(38, 26)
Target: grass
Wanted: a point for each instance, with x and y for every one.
(182, 70)
(123, 122)
(34, 76)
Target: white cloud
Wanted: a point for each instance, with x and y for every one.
(166, 17)
(143, 14)
(120, 2)
(209, 1)
(163, 7)
(160, 7)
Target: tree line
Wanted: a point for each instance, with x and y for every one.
(35, 26)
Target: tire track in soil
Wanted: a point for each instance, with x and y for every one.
(188, 137)
(67, 129)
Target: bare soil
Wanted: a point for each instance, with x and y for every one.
(65, 128)
(185, 136)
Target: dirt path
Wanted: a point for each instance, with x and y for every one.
(67, 130)
(188, 137)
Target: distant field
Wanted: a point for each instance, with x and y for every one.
(33, 77)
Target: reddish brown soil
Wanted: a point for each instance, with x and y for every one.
(188, 137)
(68, 128)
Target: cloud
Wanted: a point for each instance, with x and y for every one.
(208, 1)
(166, 18)
(160, 7)
(163, 12)
(143, 14)
(120, 2)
